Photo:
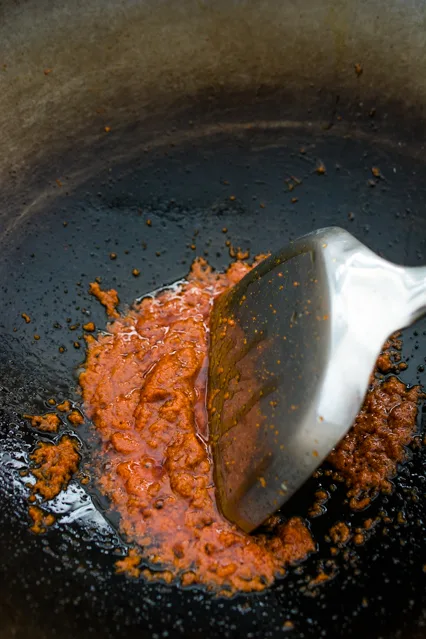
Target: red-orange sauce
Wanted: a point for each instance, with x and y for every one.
(108, 299)
(40, 519)
(53, 465)
(64, 406)
(144, 387)
(75, 417)
(48, 423)
(369, 454)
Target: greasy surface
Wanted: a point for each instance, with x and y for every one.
(366, 459)
(144, 387)
(47, 578)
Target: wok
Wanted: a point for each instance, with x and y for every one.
(112, 113)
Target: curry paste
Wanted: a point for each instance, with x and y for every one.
(144, 387)
(368, 456)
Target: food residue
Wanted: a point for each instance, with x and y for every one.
(75, 417)
(129, 564)
(340, 533)
(109, 299)
(40, 519)
(64, 406)
(53, 466)
(48, 423)
(367, 458)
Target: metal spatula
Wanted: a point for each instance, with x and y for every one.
(293, 346)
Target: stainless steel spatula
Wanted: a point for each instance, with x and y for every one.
(293, 346)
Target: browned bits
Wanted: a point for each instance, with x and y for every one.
(358, 69)
(136, 272)
(47, 71)
(149, 222)
(26, 317)
(107, 129)
(340, 533)
(358, 539)
(375, 171)
(384, 363)
(320, 170)
(59, 183)
(113, 256)
(89, 327)
(62, 349)
(76, 345)
(36, 337)
(232, 198)
(401, 520)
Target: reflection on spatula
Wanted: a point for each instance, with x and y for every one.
(292, 349)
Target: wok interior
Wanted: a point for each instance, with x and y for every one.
(204, 102)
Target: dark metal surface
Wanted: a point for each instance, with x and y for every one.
(204, 101)
(64, 583)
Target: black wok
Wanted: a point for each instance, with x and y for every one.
(204, 101)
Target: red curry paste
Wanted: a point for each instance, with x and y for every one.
(144, 387)
(53, 465)
(49, 423)
(368, 456)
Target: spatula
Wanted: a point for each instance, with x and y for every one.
(293, 346)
